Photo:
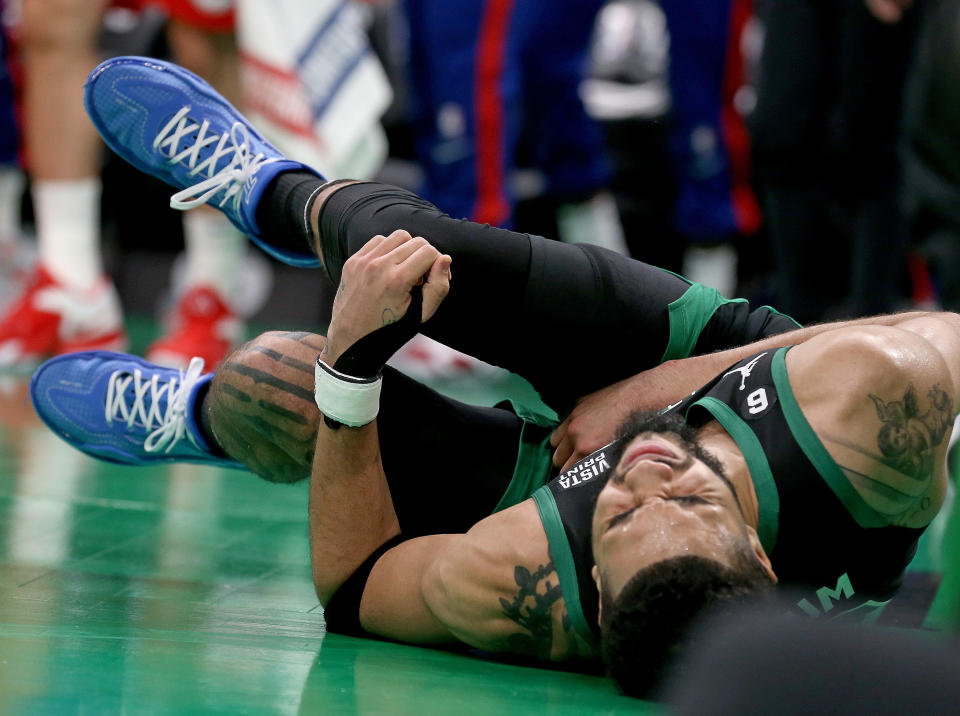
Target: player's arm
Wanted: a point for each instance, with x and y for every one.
(494, 588)
(594, 420)
(882, 399)
(351, 511)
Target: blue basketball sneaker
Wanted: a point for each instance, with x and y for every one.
(123, 409)
(171, 124)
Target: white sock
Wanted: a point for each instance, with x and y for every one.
(215, 251)
(713, 266)
(68, 230)
(11, 192)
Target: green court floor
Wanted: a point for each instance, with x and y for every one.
(187, 589)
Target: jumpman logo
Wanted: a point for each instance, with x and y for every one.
(745, 370)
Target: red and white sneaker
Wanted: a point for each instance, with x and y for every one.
(49, 319)
(202, 325)
(17, 260)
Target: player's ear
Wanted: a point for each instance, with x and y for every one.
(595, 574)
(760, 552)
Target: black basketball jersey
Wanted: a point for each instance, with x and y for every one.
(823, 540)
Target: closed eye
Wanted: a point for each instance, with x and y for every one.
(684, 499)
(691, 499)
(617, 519)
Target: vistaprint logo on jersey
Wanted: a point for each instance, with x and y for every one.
(587, 469)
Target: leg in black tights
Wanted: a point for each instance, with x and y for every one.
(569, 318)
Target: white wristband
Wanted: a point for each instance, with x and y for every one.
(348, 400)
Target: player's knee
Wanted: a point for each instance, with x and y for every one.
(261, 404)
(278, 365)
(267, 340)
(295, 345)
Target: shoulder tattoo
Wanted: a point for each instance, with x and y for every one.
(909, 436)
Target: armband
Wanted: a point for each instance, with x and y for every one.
(344, 398)
(342, 610)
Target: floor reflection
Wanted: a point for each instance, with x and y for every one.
(187, 589)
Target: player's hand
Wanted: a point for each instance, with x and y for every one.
(888, 11)
(594, 420)
(375, 287)
(592, 423)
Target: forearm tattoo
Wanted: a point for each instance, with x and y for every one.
(908, 438)
(532, 609)
(388, 316)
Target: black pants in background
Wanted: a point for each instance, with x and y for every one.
(826, 136)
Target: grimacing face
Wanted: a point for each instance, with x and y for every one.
(663, 501)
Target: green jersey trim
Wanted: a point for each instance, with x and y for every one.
(534, 458)
(688, 316)
(563, 561)
(816, 453)
(768, 497)
(532, 469)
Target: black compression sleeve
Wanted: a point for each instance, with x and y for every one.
(342, 610)
(520, 301)
(355, 214)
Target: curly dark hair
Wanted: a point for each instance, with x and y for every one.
(645, 628)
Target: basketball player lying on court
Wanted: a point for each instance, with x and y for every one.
(814, 456)
(820, 465)
(692, 496)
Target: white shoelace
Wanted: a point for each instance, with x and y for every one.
(167, 428)
(231, 178)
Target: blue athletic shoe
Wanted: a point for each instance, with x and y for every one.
(171, 124)
(123, 409)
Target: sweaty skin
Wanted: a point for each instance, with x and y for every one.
(502, 594)
(663, 502)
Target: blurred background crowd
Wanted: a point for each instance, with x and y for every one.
(799, 153)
